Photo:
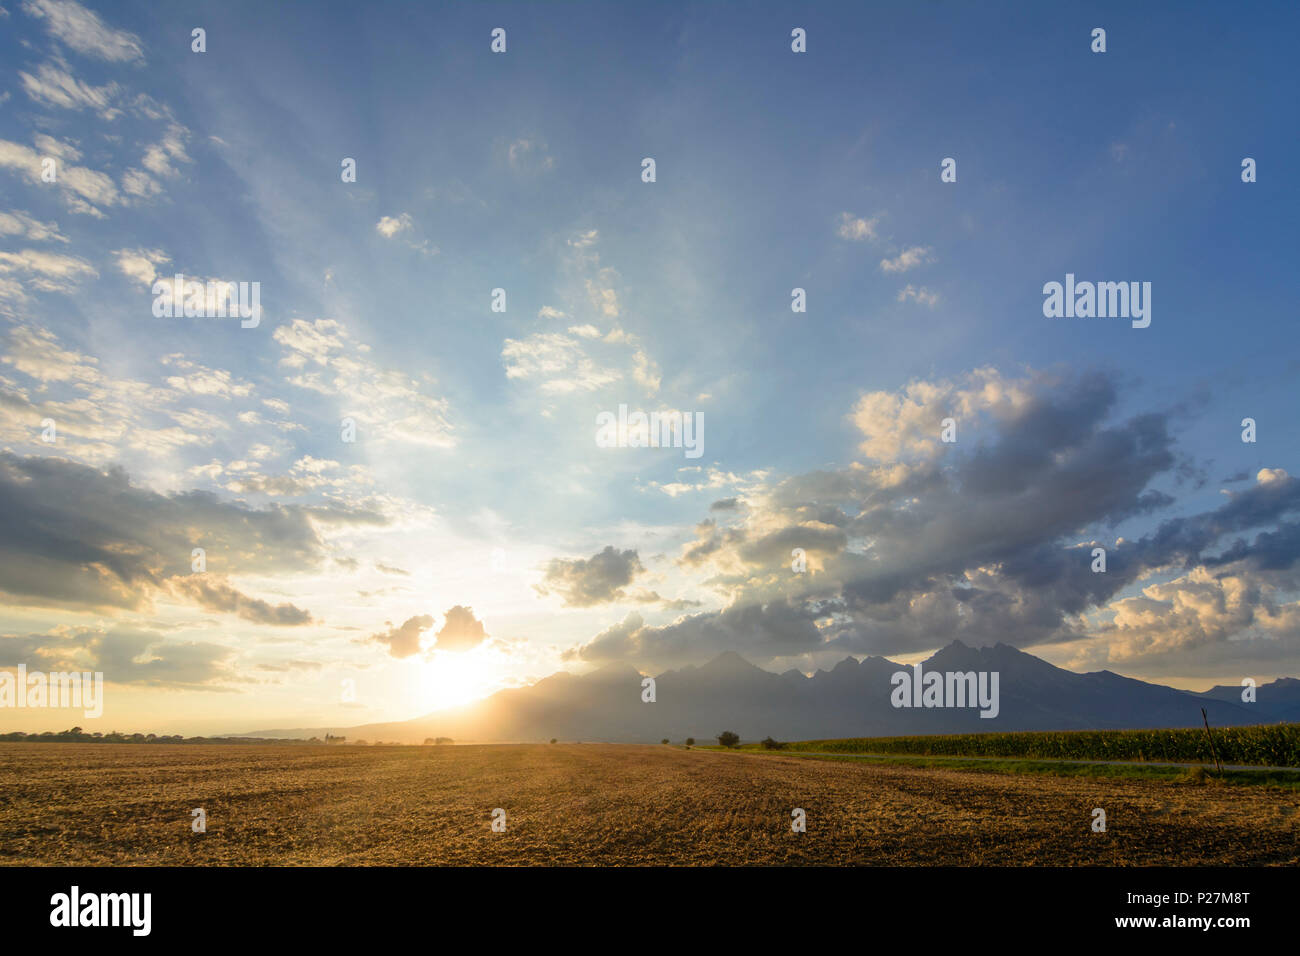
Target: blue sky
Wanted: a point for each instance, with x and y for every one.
(522, 171)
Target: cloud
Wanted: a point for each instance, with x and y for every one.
(201, 380)
(559, 364)
(389, 226)
(586, 582)
(922, 295)
(102, 418)
(216, 594)
(906, 423)
(82, 30)
(54, 85)
(17, 223)
(907, 259)
(83, 190)
(141, 264)
(159, 157)
(855, 228)
(529, 156)
(125, 655)
(46, 271)
(985, 540)
(387, 404)
(140, 185)
(50, 146)
(763, 632)
(461, 632)
(604, 297)
(78, 537)
(403, 641)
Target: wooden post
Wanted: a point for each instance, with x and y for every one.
(1213, 749)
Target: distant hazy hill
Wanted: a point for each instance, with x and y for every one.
(850, 700)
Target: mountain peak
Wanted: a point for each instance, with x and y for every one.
(615, 670)
(729, 662)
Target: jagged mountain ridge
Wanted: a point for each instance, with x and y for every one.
(852, 699)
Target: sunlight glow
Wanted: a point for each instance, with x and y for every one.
(453, 680)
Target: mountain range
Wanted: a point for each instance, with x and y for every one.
(852, 699)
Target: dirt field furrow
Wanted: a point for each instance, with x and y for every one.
(585, 804)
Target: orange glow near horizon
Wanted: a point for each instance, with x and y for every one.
(454, 680)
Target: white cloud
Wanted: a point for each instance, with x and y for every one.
(83, 31)
(645, 372)
(99, 418)
(390, 226)
(55, 86)
(905, 424)
(158, 158)
(17, 223)
(140, 184)
(140, 264)
(855, 228)
(603, 294)
(389, 404)
(907, 259)
(49, 146)
(922, 295)
(557, 362)
(83, 189)
(201, 380)
(46, 271)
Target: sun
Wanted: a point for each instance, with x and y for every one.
(454, 680)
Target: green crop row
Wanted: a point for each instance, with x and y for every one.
(1273, 745)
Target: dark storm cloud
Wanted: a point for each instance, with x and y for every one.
(214, 594)
(586, 582)
(760, 632)
(77, 536)
(125, 656)
(990, 540)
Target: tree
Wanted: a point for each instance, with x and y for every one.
(770, 744)
(728, 739)
(552, 740)
(664, 741)
(690, 741)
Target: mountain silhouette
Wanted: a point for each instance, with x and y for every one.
(852, 699)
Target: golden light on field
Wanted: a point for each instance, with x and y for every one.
(453, 680)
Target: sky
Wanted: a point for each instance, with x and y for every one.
(393, 467)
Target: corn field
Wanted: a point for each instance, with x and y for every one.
(1275, 745)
